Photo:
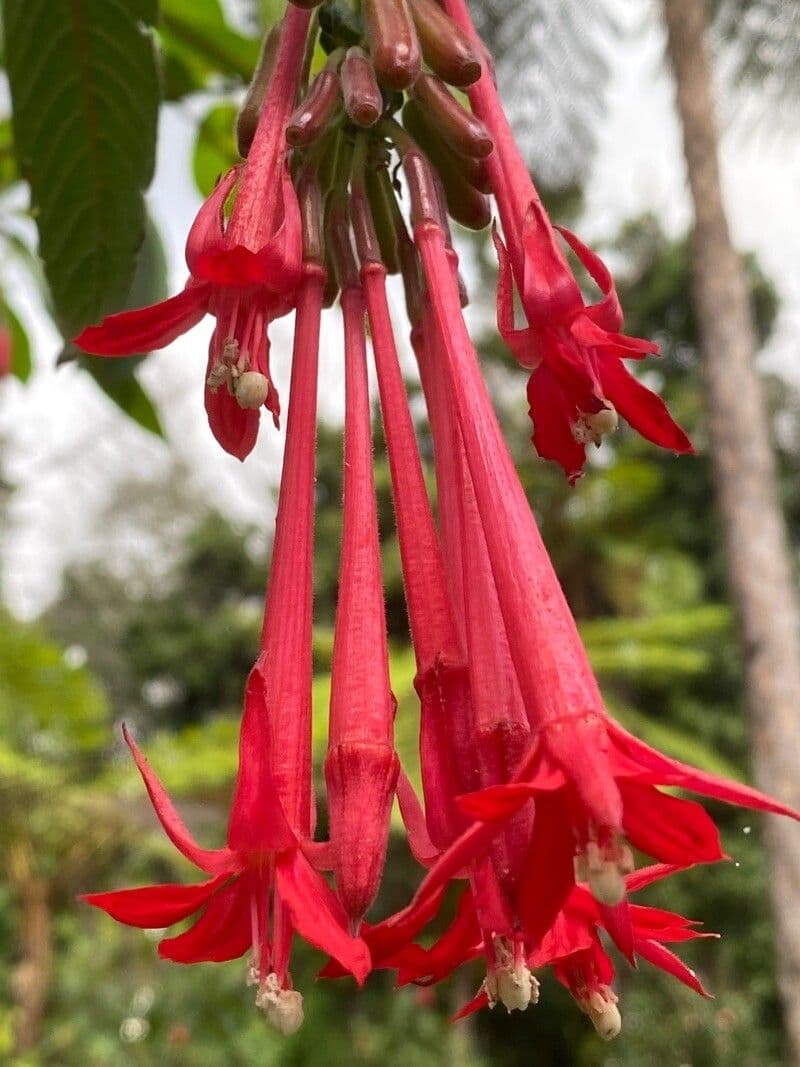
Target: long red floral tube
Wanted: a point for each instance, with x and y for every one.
(534, 799)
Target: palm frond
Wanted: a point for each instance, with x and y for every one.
(553, 74)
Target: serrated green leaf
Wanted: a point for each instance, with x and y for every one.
(85, 92)
(116, 377)
(215, 149)
(20, 344)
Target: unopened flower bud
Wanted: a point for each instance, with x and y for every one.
(283, 1008)
(393, 42)
(251, 389)
(459, 128)
(310, 120)
(446, 48)
(464, 202)
(363, 101)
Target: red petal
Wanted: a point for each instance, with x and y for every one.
(496, 801)
(648, 875)
(567, 936)
(668, 828)
(618, 923)
(521, 342)
(461, 942)
(317, 915)
(549, 290)
(223, 932)
(549, 873)
(480, 1000)
(234, 427)
(146, 328)
(667, 771)
(553, 417)
(208, 228)
(214, 861)
(608, 312)
(656, 924)
(155, 906)
(645, 411)
(388, 940)
(422, 848)
(586, 331)
(667, 961)
(257, 820)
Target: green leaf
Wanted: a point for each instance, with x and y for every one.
(85, 93)
(116, 377)
(215, 150)
(20, 345)
(198, 44)
(9, 171)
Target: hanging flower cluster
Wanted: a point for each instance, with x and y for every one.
(534, 798)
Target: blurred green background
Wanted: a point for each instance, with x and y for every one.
(637, 546)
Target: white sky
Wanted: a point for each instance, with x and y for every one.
(65, 447)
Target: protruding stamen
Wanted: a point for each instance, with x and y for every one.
(510, 981)
(604, 868)
(589, 429)
(601, 1007)
(251, 389)
(283, 1008)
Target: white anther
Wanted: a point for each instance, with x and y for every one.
(283, 1008)
(251, 389)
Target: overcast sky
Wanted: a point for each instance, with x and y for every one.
(66, 448)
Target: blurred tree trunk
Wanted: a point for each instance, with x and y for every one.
(31, 979)
(759, 557)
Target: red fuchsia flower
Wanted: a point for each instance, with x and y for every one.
(361, 765)
(578, 383)
(262, 888)
(593, 782)
(243, 272)
(572, 946)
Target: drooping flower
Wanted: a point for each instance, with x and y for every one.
(263, 887)
(572, 947)
(596, 780)
(243, 271)
(579, 384)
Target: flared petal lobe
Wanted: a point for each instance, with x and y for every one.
(148, 328)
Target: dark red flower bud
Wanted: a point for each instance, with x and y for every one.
(367, 245)
(311, 118)
(393, 42)
(446, 48)
(247, 119)
(461, 130)
(442, 156)
(464, 203)
(363, 101)
(423, 188)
